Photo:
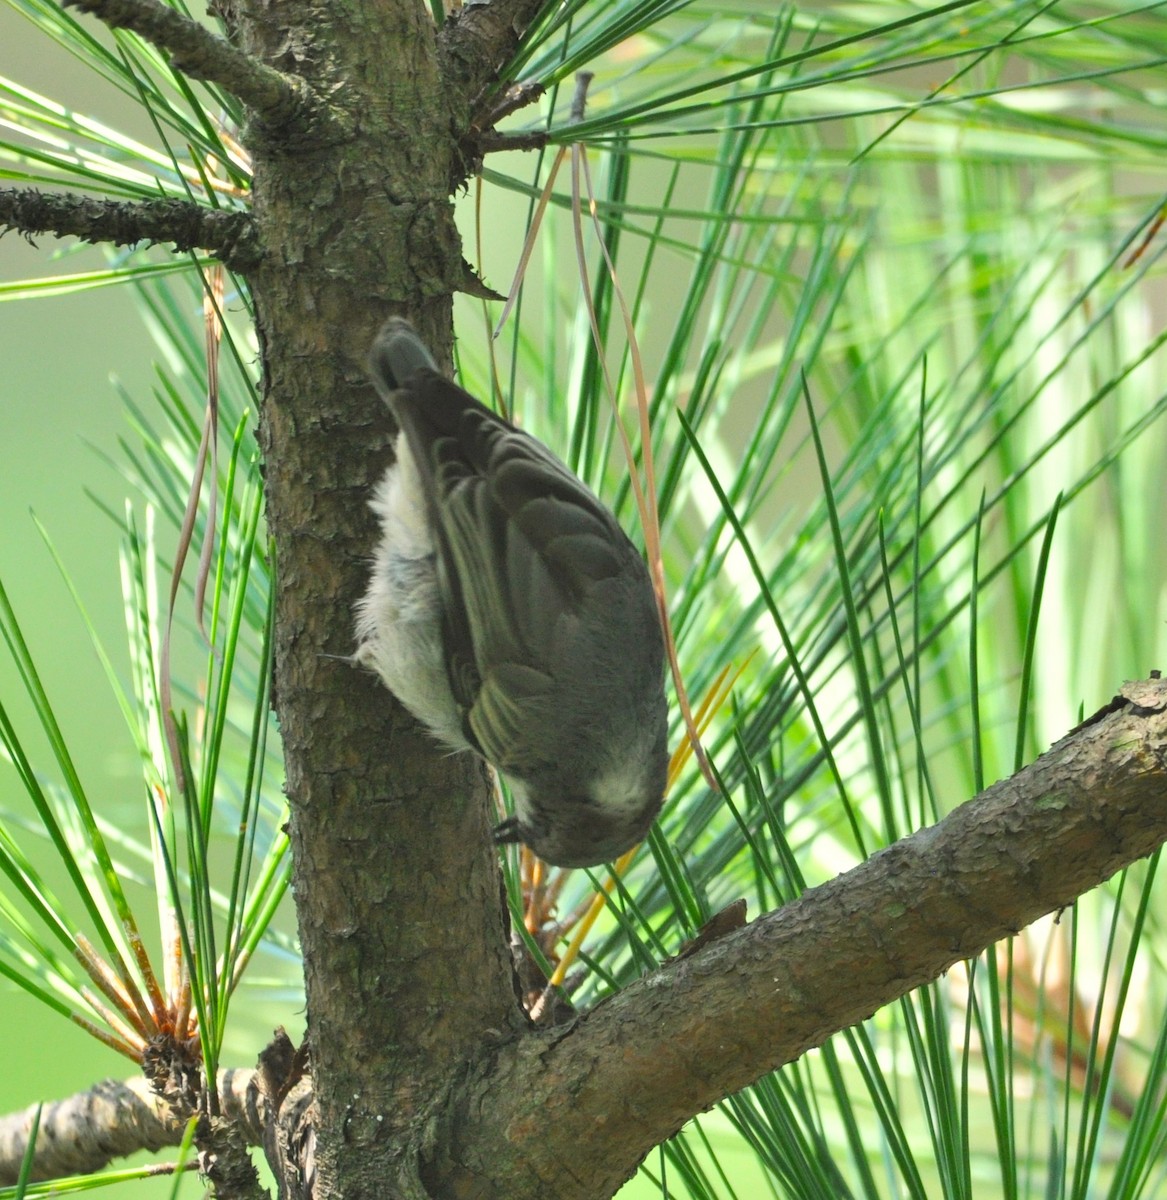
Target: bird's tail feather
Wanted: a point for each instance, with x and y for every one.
(398, 354)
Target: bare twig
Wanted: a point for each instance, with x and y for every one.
(482, 138)
(517, 96)
(229, 236)
(493, 142)
(276, 98)
(579, 100)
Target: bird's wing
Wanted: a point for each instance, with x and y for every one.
(521, 544)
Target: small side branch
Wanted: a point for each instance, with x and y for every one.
(482, 138)
(493, 142)
(85, 1132)
(229, 236)
(277, 99)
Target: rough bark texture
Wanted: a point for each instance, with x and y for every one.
(189, 226)
(283, 102)
(396, 881)
(113, 1119)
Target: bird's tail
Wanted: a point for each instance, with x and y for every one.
(397, 355)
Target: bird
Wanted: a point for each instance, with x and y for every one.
(508, 611)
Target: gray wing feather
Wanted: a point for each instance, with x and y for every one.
(522, 544)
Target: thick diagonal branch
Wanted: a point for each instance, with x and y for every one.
(635, 1068)
(229, 236)
(276, 98)
(629, 1073)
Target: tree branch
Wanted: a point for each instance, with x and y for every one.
(114, 1118)
(277, 99)
(492, 142)
(635, 1068)
(228, 235)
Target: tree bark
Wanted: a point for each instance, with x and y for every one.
(397, 885)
